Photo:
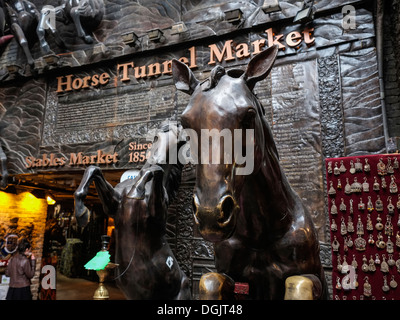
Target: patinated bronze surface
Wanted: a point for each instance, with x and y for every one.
(261, 231)
(85, 15)
(22, 17)
(147, 267)
(3, 169)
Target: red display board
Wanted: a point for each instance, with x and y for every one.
(364, 207)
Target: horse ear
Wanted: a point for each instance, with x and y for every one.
(184, 78)
(260, 66)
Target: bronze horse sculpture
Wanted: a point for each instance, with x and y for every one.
(85, 14)
(147, 266)
(22, 17)
(261, 232)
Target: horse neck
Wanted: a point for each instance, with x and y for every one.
(267, 200)
(140, 238)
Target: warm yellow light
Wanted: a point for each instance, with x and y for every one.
(50, 200)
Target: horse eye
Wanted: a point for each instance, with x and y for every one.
(249, 117)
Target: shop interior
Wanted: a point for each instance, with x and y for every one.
(66, 245)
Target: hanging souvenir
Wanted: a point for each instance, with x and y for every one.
(385, 286)
(331, 190)
(365, 185)
(381, 167)
(369, 226)
(378, 224)
(370, 206)
(336, 170)
(339, 263)
(347, 187)
(393, 283)
(360, 243)
(350, 225)
(360, 226)
(398, 202)
(393, 185)
(349, 242)
(384, 265)
(395, 163)
(338, 284)
(398, 239)
(364, 266)
(376, 186)
(342, 206)
(358, 165)
(390, 206)
(389, 167)
(334, 208)
(342, 168)
(398, 265)
(329, 167)
(355, 284)
(361, 205)
(388, 226)
(367, 167)
(339, 185)
(383, 183)
(333, 226)
(391, 261)
(345, 266)
(371, 264)
(354, 263)
(367, 290)
(343, 229)
(389, 245)
(379, 242)
(351, 210)
(356, 187)
(352, 168)
(335, 244)
(377, 260)
(371, 240)
(378, 204)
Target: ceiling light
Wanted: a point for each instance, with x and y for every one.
(178, 28)
(234, 16)
(129, 38)
(156, 35)
(271, 6)
(50, 199)
(306, 14)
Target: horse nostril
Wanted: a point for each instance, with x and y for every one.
(227, 206)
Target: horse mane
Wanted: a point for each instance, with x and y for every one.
(273, 171)
(172, 171)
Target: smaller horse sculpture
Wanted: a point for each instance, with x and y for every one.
(147, 267)
(85, 14)
(88, 12)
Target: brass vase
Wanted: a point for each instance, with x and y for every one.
(101, 292)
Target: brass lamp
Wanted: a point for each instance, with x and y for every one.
(101, 263)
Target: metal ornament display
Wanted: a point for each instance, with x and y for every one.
(376, 237)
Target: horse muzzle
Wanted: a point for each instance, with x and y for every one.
(218, 222)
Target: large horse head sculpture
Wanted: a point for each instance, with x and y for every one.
(225, 101)
(243, 201)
